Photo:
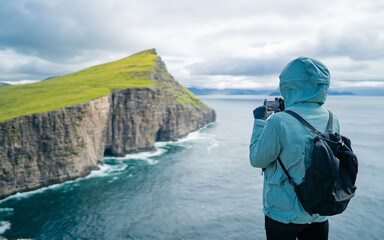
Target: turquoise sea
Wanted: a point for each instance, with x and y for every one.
(199, 187)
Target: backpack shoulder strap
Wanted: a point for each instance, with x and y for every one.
(303, 121)
(308, 125)
(285, 171)
(330, 122)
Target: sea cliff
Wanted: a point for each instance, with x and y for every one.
(43, 148)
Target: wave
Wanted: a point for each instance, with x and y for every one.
(6, 210)
(161, 147)
(4, 226)
(191, 137)
(141, 156)
(95, 173)
(101, 172)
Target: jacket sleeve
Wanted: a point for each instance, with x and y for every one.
(265, 144)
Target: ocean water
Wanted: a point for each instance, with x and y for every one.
(200, 187)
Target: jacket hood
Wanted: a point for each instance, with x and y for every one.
(304, 80)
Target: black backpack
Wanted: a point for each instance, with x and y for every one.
(329, 182)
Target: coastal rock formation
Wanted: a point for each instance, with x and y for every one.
(66, 143)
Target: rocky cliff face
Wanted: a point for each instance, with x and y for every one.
(52, 147)
(142, 116)
(67, 143)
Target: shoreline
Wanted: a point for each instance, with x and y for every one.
(103, 168)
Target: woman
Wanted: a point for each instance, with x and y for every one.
(304, 84)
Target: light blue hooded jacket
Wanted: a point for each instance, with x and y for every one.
(304, 85)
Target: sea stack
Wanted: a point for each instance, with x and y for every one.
(61, 128)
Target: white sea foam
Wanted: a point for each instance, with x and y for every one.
(140, 156)
(152, 162)
(214, 144)
(4, 226)
(199, 135)
(161, 147)
(6, 210)
(146, 155)
(101, 172)
(192, 136)
(27, 194)
(95, 173)
(113, 179)
(196, 135)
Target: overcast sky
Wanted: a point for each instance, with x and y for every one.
(205, 43)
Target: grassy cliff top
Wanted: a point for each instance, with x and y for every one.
(77, 87)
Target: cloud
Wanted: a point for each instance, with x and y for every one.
(359, 42)
(226, 81)
(239, 67)
(230, 42)
(16, 66)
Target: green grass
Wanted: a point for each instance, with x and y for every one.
(189, 99)
(179, 93)
(77, 87)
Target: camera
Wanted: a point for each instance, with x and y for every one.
(276, 106)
